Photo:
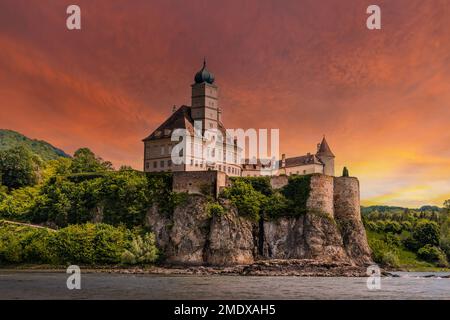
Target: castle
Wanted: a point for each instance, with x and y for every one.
(204, 114)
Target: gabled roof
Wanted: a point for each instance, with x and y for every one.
(180, 119)
(324, 149)
(301, 161)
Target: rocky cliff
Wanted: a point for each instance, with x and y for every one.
(330, 231)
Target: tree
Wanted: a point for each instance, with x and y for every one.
(345, 172)
(447, 205)
(426, 232)
(84, 160)
(18, 167)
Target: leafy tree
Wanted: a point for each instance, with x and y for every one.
(19, 203)
(84, 160)
(125, 198)
(18, 167)
(432, 254)
(426, 232)
(392, 226)
(447, 205)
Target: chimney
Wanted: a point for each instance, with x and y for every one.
(174, 108)
(318, 147)
(283, 160)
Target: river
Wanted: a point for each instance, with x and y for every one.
(52, 285)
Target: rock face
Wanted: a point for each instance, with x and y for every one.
(331, 231)
(311, 236)
(191, 237)
(230, 240)
(347, 212)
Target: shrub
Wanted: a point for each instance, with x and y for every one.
(247, 200)
(432, 254)
(90, 243)
(141, 251)
(426, 232)
(77, 244)
(260, 184)
(214, 209)
(392, 226)
(445, 246)
(370, 225)
(277, 205)
(297, 193)
(20, 244)
(383, 253)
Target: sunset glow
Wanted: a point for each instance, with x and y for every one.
(309, 68)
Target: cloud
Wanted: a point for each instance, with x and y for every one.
(306, 67)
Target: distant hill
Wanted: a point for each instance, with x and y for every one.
(370, 209)
(10, 139)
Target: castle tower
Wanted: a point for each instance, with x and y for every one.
(205, 104)
(326, 157)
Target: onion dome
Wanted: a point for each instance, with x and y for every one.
(204, 75)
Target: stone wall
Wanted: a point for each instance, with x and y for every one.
(199, 182)
(191, 237)
(278, 182)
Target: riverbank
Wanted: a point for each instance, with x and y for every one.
(291, 267)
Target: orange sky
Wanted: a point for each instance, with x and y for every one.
(307, 67)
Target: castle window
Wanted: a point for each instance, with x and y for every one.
(304, 171)
(147, 165)
(162, 163)
(169, 163)
(155, 164)
(220, 167)
(162, 150)
(196, 163)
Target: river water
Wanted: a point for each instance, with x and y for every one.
(52, 285)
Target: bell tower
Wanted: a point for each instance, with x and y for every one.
(205, 99)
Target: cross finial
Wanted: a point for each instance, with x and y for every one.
(204, 62)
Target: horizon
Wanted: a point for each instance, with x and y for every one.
(381, 98)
